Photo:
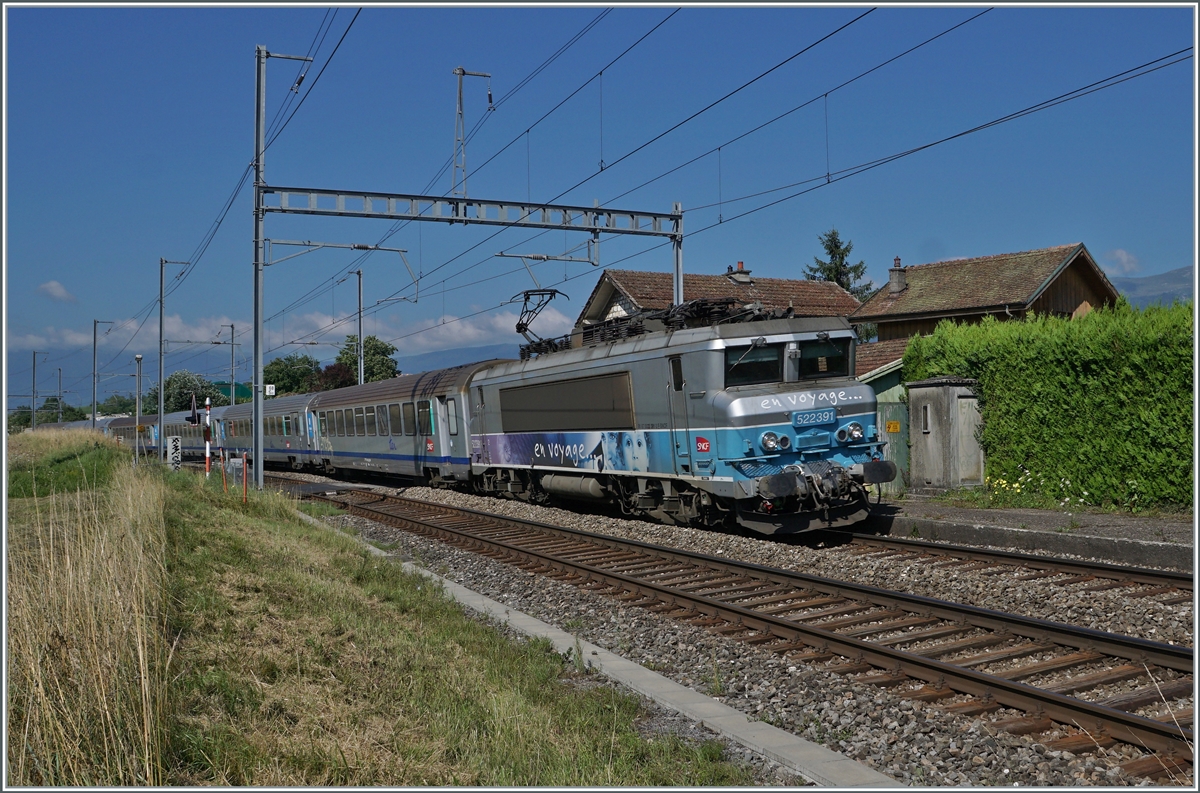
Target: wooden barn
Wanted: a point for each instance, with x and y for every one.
(1064, 280)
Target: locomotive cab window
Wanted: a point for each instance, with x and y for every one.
(677, 374)
(753, 364)
(828, 358)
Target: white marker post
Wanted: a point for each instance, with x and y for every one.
(207, 436)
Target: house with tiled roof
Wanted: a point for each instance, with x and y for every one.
(1063, 280)
(620, 293)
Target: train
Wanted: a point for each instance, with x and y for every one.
(747, 418)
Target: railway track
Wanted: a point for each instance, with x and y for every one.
(1167, 586)
(927, 649)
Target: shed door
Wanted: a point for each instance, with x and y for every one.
(970, 456)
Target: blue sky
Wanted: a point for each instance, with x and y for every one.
(128, 129)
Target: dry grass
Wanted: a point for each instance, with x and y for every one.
(87, 655)
(305, 661)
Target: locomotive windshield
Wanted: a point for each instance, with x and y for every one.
(753, 365)
(757, 364)
(824, 359)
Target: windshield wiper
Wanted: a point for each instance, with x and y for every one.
(759, 342)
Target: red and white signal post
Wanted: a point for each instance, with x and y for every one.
(207, 436)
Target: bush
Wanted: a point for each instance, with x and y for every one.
(1097, 410)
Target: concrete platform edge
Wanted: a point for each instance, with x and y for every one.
(811, 761)
(1135, 553)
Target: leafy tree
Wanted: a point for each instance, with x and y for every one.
(335, 375)
(377, 361)
(290, 373)
(177, 393)
(120, 403)
(19, 419)
(838, 269)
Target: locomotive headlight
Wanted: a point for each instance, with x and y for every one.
(855, 431)
(770, 441)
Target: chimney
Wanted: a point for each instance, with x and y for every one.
(739, 276)
(897, 282)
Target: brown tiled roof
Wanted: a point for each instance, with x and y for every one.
(1012, 279)
(869, 357)
(809, 298)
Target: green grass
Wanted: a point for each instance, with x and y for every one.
(303, 660)
(999, 498)
(61, 461)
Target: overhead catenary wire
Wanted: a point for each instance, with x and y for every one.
(320, 289)
(658, 137)
(1099, 85)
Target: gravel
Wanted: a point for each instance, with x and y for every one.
(1107, 610)
(916, 743)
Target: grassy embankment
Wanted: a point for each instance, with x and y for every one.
(161, 632)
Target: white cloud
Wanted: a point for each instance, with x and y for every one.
(478, 331)
(57, 291)
(1122, 262)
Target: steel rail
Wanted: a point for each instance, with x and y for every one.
(1118, 724)
(1140, 575)
(1170, 656)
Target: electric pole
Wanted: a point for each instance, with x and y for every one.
(137, 410)
(95, 322)
(162, 448)
(260, 184)
(33, 404)
(232, 367)
(460, 141)
(60, 395)
(361, 342)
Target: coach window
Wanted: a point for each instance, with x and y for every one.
(349, 414)
(410, 419)
(424, 418)
(370, 417)
(339, 423)
(452, 415)
(381, 416)
(288, 426)
(394, 415)
(360, 422)
(321, 427)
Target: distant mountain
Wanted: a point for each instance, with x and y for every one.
(411, 364)
(1162, 288)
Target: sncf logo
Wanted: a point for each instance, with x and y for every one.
(702, 444)
(429, 444)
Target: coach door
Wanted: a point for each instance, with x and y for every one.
(451, 429)
(681, 436)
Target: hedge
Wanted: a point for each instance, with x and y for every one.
(1097, 408)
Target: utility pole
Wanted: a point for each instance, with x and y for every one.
(361, 342)
(60, 395)
(33, 404)
(95, 322)
(232, 367)
(162, 448)
(137, 410)
(460, 141)
(260, 184)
